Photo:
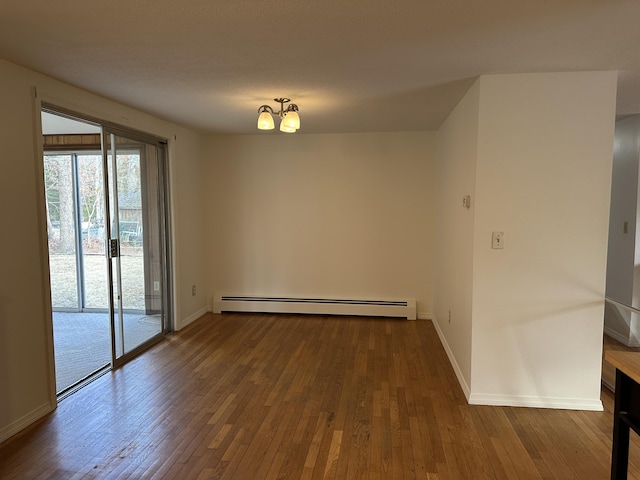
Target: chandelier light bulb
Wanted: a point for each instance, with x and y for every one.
(286, 128)
(265, 121)
(291, 120)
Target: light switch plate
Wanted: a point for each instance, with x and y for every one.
(497, 240)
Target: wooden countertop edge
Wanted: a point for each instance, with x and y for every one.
(627, 362)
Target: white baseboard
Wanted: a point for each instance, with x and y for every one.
(456, 368)
(22, 423)
(609, 385)
(536, 402)
(515, 400)
(620, 338)
(192, 318)
(425, 316)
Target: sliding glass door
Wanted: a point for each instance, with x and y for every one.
(107, 219)
(137, 247)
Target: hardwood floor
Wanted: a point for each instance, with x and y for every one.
(244, 396)
(608, 370)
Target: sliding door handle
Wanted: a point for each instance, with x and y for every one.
(114, 248)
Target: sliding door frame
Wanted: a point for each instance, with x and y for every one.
(109, 147)
(164, 207)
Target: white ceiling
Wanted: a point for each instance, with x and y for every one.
(350, 65)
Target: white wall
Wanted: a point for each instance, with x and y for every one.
(24, 343)
(26, 383)
(456, 157)
(188, 219)
(321, 215)
(545, 146)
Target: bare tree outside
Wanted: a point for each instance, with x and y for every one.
(61, 222)
(60, 204)
(92, 206)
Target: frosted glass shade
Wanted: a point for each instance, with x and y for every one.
(285, 128)
(291, 120)
(265, 121)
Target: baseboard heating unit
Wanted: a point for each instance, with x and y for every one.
(320, 306)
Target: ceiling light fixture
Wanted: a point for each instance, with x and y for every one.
(290, 120)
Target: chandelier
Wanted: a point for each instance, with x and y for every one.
(290, 121)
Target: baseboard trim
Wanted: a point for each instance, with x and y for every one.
(425, 316)
(536, 402)
(608, 385)
(192, 318)
(27, 420)
(452, 359)
(620, 338)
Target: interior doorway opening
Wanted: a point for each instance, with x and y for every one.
(622, 306)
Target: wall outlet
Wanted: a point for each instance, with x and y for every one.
(466, 201)
(193, 291)
(156, 286)
(449, 316)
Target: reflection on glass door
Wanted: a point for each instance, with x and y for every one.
(135, 180)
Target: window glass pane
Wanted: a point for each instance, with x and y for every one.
(91, 196)
(58, 176)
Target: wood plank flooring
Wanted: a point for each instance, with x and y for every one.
(608, 370)
(260, 397)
